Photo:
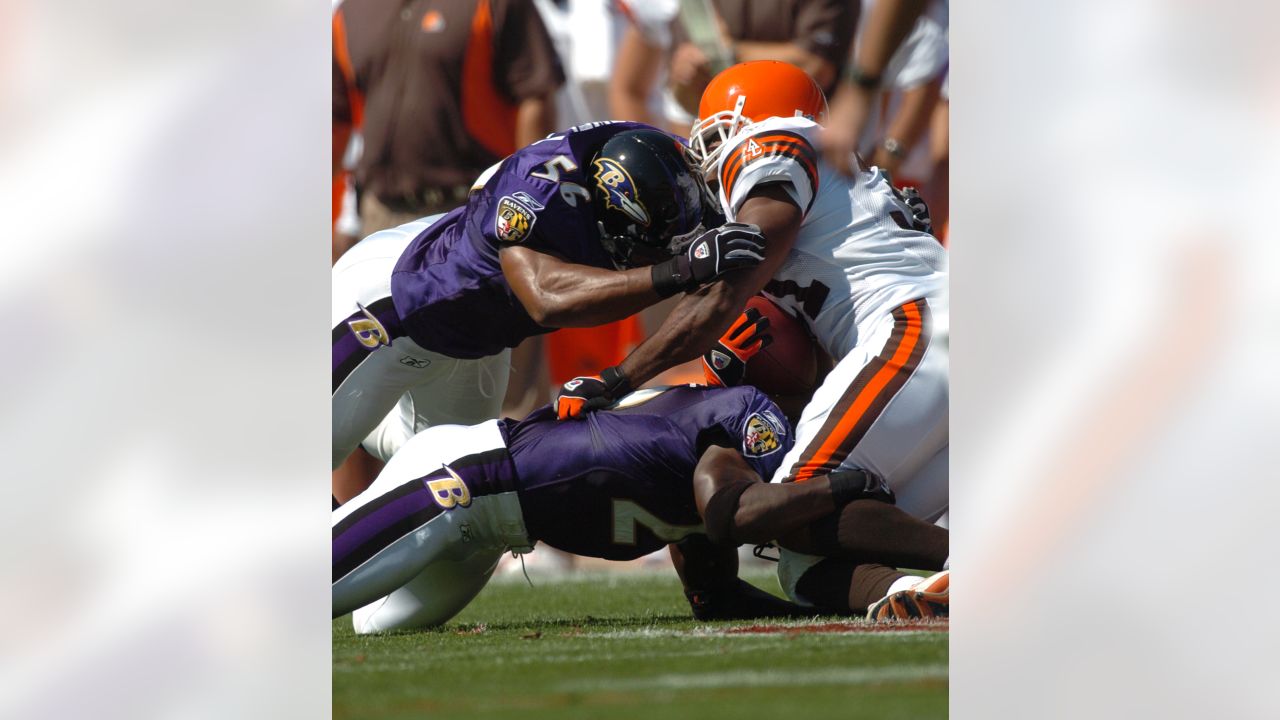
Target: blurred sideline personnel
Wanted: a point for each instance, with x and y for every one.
(580, 228)
(910, 87)
(905, 131)
(440, 90)
(887, 24)
(854, 258)
(695, 39)
(420, 543)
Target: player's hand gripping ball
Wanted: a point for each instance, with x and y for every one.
(788, 366)
(725, 364)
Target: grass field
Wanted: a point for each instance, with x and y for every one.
(624, 646)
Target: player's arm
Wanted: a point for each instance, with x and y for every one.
(887, 24)
(635, 73)
(558, 294)
(702, 317)
(535, 119)
(737, 507)
(709, 574)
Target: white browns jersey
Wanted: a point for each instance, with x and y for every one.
(857, 255)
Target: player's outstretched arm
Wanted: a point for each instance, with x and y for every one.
(709, 574)
(699, 320)
(558, 294)
(737, 508)
(849, 513)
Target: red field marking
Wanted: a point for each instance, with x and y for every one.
(841, 627)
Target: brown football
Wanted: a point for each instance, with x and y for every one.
(789, 365)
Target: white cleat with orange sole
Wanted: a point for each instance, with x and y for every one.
(926, 599)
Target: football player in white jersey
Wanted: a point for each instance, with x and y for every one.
(851, 256)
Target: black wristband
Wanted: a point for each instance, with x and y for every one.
(850, 485)
(862, 79)
(615, 381)
(671, 276)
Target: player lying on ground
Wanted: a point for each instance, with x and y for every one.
(579, 229)
(853, 578)
(854, 258)
(420, 543)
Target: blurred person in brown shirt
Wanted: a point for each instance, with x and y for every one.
(441, 90)
(814, 35)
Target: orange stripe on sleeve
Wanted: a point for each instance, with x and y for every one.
(786, 147)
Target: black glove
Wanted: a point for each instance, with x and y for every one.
(741, 601)
(731, 246)
(725, 364)
(919, 209)
(856, 484)
(582, 395)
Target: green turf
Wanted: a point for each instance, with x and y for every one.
(623, 646)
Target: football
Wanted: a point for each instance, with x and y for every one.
(789, 365)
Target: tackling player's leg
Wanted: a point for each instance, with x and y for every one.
(420, 521)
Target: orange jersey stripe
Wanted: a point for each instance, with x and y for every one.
(773, 145)
(899, 363)
(776, 150)
(738, 156)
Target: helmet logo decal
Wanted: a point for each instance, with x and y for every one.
(620, 190)
(514, 220)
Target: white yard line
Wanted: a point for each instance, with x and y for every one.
(735, 631)
(766, 678)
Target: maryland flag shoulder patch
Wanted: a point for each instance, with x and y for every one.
(762, 434)
(513, 220)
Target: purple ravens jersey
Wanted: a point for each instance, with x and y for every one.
(618, 485)
(448, 287)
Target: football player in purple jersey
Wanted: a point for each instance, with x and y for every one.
(655, 470)
(579, 229)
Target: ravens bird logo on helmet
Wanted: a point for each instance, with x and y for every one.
(620, 190)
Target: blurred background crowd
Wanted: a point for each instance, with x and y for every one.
(427, 94)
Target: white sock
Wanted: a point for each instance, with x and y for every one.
(906, 582)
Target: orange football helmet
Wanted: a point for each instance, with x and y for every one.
(749, 92)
